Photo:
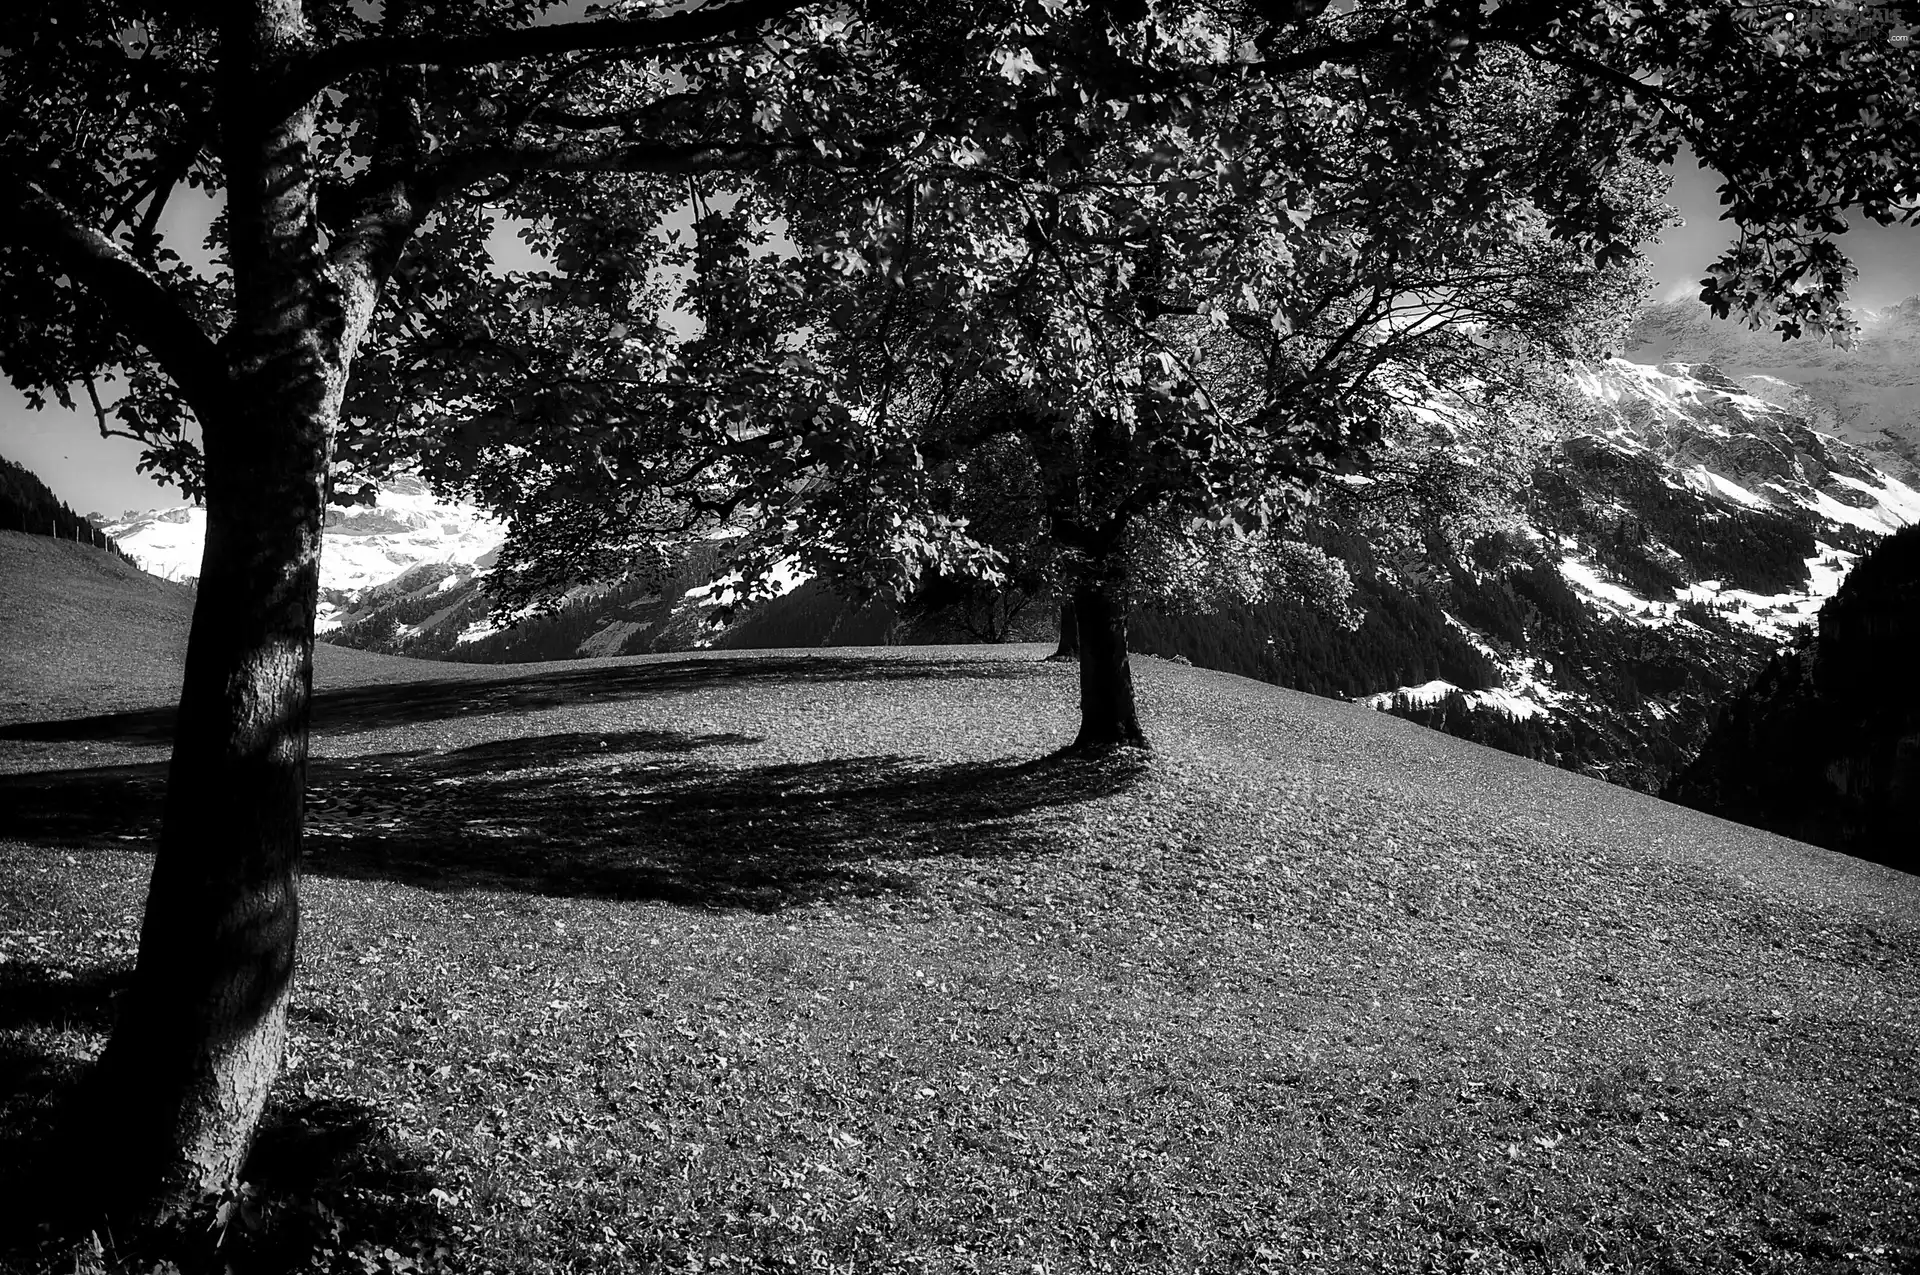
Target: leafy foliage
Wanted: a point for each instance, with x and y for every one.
(1200, 260)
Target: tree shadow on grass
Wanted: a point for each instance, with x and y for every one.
(363, 708)
(324, 1183)
(47, 1016)
(99, 805)
(617, 816)
(50, 1018)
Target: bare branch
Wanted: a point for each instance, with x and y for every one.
(100, 414)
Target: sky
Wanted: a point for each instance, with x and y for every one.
(1888, 256)
(93, 474)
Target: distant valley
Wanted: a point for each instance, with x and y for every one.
(367, 546)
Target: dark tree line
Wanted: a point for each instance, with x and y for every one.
(28, 505)
(1824, 745)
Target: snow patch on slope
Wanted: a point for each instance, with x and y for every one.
(1703, 479)
(1778, 615)
(1500, 699)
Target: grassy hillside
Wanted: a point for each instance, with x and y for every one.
(777, 961)
(83, 631)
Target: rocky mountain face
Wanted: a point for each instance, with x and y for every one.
(1825, 745)
(1663, 555)
(1868, 395)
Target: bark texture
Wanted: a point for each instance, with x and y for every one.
(1087, 520)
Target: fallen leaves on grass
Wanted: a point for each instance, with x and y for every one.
(720, 996)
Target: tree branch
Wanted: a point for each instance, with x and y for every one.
(139, 303)
(100, 414)
(463, 170)
(1313, 57)
(626, 121)
(1534, 44)
(627, 35)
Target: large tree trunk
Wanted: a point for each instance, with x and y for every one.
(1069, 648)
(185, 1076)
(1108, 718)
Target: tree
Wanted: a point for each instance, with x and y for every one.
(1200, 282)
(362, 155)
(1201, 309)
(1202, 257)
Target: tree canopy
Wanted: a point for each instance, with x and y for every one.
(1193, 282)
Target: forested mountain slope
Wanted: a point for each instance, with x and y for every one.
(28, 505)
(1825, 745)
(1661, 556)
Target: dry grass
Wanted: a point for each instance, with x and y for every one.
(800, 963)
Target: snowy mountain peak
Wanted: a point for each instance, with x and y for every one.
(363, 546)
(1745, 442)
(1868, 393)
(1689, 527)
(1742, 451)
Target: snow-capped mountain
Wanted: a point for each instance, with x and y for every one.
(1740, 451)
(363, 547)
(1868, 395)
(438, 612)
(1698, 526)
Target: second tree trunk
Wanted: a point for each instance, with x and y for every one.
(1069, 633)
(1108, 717)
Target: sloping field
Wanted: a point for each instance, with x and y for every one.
(82, 632)
(810, 961)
